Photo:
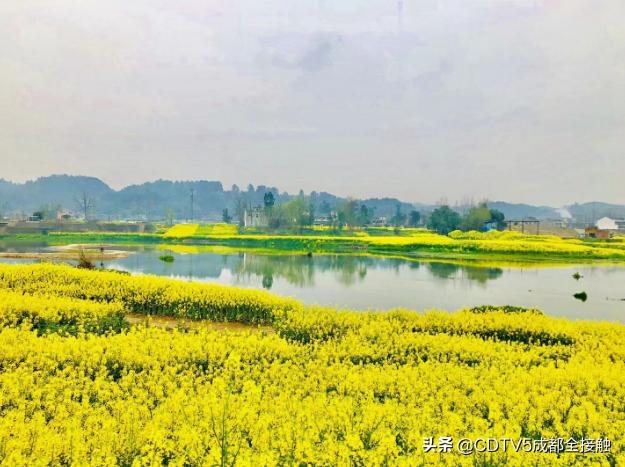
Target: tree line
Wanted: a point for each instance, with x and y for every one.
(303, 211)
(480, 218)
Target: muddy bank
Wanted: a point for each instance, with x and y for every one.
(68, 253)
(168, 322)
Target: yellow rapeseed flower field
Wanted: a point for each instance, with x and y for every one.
(325, 388)
(217, 229)
(457, 243)
(181, 230)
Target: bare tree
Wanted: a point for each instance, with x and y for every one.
(170, 216)
(240, 205)
(85, 204)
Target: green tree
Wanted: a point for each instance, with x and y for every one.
(414, 218)
(399, 218)
(443, 220)
(476, 218)
(325, 208)
(47, 212)
(498, 218)
(364, 215)
(347, 213)
(299, 211)
(269, 199)
(240, 205)
(342, 219)
(311, 211)
(225, 216)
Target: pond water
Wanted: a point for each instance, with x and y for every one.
(362, 282)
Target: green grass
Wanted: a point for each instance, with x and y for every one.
(410, 243)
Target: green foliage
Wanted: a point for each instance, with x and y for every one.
(348, 213)
(399, 218)
(297, 212)
(498, 218)
(325, 208)
(269, 199)
(444, 220)
(167, 258)
(240, 204)
(47, 212)
(476, 218)
(414, 218)
(225, 216)
(364, 215)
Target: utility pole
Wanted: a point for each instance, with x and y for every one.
(192, 196)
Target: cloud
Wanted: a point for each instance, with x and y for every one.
(317, 57)
(476, 98)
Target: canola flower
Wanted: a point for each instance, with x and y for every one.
(414, 241)
(217, 229)
(382, 241)
(328, 387)
(148, 294)
(181, 230)
(57, 314)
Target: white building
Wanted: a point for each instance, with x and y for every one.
(255, 217)
(380, 222)
(607, 223)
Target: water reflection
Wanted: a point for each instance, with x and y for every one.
(477, 274)
(364, 282)
(296, 270)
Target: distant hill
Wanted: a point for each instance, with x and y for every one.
(159, 199)
(522, 211)
(163, 199)
(52, 190)
(590, 212)
(387, 206)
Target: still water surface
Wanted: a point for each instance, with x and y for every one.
(361, 282)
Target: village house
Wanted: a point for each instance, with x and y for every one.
(63, 216)
(607, 223)
(255, 217)
(379, 222)
(322, 221)
(595, 232)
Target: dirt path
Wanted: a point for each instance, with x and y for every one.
(70, 253)
(168, 322)
(65, 256)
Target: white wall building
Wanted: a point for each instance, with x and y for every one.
(607, 223)
(255, 217)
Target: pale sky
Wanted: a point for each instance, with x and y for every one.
(514, 100)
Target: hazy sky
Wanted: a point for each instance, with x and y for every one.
(518, 100)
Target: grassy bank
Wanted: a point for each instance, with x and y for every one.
(407, 242)
(328, 387)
